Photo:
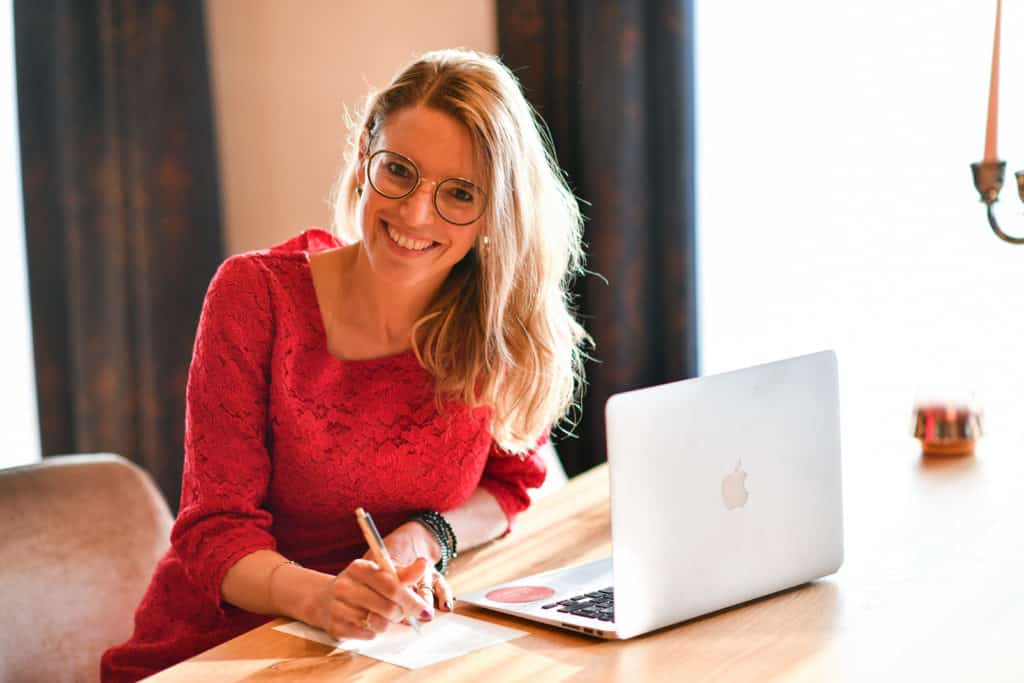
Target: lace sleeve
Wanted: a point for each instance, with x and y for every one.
(227, 467)
(507, 477)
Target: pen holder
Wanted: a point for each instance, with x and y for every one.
(946, 429)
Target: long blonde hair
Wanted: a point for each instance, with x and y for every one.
(501, 331)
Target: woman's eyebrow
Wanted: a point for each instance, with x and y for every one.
(470, 175)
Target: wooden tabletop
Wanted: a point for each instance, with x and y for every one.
(932, 589)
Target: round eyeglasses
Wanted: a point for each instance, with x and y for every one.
(395, 176)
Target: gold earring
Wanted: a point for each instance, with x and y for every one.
(487, 241)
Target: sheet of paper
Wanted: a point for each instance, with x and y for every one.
(445, 637)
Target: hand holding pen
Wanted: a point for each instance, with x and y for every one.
(367, 597)
(380, 553)
(409, 541)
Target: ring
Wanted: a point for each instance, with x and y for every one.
(424, 584)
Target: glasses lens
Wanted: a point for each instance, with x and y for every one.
(459, 201)
(392, 174)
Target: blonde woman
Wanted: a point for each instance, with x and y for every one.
(412, 366)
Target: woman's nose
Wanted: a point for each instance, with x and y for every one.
(419, 206)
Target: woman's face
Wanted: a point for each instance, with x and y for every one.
(406, 241)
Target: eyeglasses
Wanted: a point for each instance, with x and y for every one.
(395, 176)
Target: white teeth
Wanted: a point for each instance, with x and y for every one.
(402, 241)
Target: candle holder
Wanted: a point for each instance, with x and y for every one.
(946, 429)
(988, 180)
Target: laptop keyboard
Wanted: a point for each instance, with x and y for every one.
(595, 605)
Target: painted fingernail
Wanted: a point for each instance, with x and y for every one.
(425, 615)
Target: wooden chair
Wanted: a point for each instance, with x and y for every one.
(80, 536)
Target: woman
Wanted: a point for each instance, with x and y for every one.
(412, 369)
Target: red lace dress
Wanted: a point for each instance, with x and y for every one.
(283, 441)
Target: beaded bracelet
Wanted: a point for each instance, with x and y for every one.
(444, 534)
(453, 544)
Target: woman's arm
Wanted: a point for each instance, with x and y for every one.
(479, 520)
(488, 512)
(227, 467)
(265, 582)
(357, 603)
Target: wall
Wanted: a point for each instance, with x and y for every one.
(283, 75)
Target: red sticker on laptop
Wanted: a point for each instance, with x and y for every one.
(520, 594)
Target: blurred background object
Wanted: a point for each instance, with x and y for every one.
(946, 429)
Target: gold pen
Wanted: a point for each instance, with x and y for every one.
(380, 552)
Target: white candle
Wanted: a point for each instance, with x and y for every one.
(993, 94)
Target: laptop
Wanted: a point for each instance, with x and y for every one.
(724, 489)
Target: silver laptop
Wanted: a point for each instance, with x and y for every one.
(724, 489)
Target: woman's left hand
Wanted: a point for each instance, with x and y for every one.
(410, 541)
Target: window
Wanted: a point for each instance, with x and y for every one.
(836, 207)
(18, 395)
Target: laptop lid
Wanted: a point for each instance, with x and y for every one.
(724, 488)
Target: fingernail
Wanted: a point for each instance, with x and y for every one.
(448, 604)
(425, 615)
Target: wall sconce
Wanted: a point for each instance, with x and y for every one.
(988, 179)
(989, 173)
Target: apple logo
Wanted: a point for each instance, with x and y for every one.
(734, 490)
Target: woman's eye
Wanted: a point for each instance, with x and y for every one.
(461, 194)
(398, 169)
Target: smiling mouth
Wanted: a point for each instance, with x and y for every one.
(407, 242)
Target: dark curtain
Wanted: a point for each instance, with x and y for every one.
(614, 81)
(122, 218)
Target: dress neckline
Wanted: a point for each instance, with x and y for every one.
(318, 318)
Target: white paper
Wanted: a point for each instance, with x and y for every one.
(445, 637)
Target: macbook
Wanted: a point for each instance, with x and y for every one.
(724, 489)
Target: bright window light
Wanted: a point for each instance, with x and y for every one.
(836, 207)
(18, 414)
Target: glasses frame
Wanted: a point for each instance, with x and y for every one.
(419, 181)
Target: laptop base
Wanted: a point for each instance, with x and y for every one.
(549, 588)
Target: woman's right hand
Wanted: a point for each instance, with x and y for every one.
(365, 599)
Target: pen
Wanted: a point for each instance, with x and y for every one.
(380, 552)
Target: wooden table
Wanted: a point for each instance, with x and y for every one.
(932, 590)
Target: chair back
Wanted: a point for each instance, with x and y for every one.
(556, 477)
(80, 536)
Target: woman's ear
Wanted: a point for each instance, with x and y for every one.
(364, 145)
